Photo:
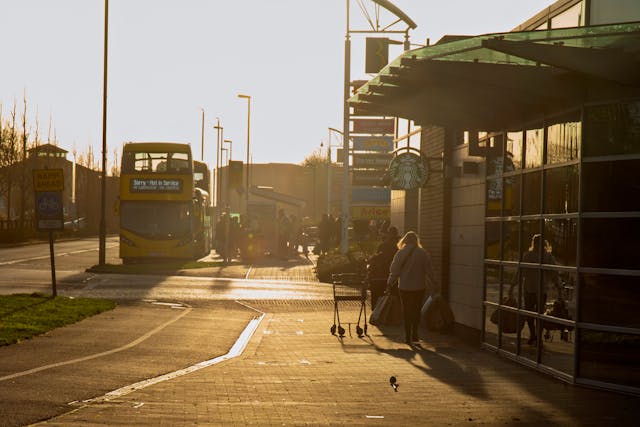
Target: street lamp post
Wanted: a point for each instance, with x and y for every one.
(248, 98)
(230, 142)
(202, 137)
(220, 129)
(102, 241)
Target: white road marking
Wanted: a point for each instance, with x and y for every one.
(235, 351)
(95, 356)
(18, 261)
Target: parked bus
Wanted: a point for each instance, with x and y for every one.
(163, 215)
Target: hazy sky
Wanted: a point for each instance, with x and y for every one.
(170, 58)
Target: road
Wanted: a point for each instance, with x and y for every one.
(27, 268)
(162, 324)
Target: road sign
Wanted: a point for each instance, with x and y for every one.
(49, 210)
(48, 180)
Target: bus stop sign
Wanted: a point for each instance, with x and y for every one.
(48, 185)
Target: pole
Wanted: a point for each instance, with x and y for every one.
(218, 128)
(345, 141)
(329, 174)
(103, 200)
(248, 98)
(248, 155)
(54, 288)
(202, 138)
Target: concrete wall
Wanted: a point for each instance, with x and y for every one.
(466, 239)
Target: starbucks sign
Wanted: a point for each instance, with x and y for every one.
(407, 171)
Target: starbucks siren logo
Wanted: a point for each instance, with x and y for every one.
(407, 171)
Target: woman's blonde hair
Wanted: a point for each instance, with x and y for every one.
(410, 238)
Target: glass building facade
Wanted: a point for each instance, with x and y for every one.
(562, 226)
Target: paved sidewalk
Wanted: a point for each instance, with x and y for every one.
(294, 372)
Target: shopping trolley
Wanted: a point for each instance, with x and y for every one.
(349, 287)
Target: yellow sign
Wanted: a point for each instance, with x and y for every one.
(48, 180)
(370, 212)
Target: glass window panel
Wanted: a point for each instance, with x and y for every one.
(563, 140)
(611, 243)
(569, 283)
(611, 186)
(532, 189)
(561, 190)
(510, 282)
(513, 153)
(511, 241)
(562, 237)
(529, 229)
(610, 357)
(534, 139)
(495, 162)
(492, 278)
(509, 338)
(529, 339)
(558, 350)
(610, 300)
(490, 328)
(492, 239)
(494, 197)
(612, 129)
(511, 185)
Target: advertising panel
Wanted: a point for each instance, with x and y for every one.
(370, 212)
(373, 143)
(369, 195)
(371, 160)
(368, 177)
(374, 126)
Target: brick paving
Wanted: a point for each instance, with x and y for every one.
(294, 372)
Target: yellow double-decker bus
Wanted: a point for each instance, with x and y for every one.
(163, 215)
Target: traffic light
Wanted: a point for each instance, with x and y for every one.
(235, 174)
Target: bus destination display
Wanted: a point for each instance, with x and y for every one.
(139, 185)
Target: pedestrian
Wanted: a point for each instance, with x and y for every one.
(411, 268)
(284, 232)
(530, 278)
(378, 268)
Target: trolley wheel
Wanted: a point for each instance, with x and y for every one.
(333, 330)
(359, 331)
(341, 331)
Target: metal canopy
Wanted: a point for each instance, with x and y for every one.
(492, 81)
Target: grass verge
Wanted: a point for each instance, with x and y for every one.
(23, 316)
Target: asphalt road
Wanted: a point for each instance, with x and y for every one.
(174, 322)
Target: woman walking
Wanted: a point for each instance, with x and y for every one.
(411, 267)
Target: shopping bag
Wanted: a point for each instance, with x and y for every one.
(510, 324)
(380, 310)
(435, 314)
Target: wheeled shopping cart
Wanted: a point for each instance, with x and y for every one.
(349, 287)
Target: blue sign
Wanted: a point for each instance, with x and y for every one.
(370, 195)
(49, 210)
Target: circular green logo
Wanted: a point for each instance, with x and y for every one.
(407, 171)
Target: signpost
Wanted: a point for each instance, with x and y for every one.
(48, 185)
